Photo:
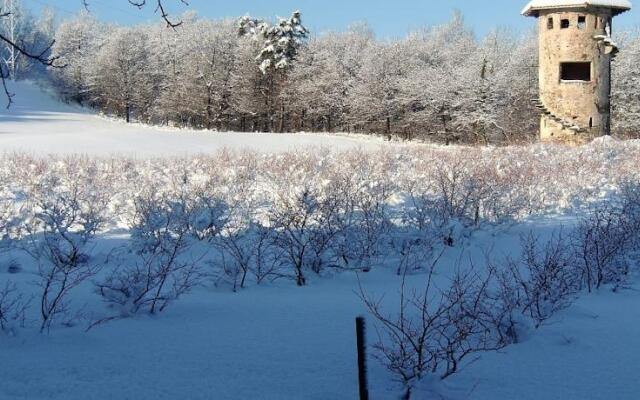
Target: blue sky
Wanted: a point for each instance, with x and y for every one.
(388, 18)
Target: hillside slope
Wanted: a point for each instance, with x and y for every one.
(38, 123)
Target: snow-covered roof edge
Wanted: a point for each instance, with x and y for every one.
(619, 6)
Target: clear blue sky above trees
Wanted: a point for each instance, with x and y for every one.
(388, 18)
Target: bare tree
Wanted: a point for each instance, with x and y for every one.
(160, 7)
(40, 56)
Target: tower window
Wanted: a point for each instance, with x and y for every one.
(582, 22)
(596, 22)
(591, 123)
(550, 23)
(564, 23)
(575, 71)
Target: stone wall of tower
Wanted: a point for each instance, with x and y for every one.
(584, 104)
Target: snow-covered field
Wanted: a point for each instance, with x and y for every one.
(281, 342)
(277, 341)
(38, 124)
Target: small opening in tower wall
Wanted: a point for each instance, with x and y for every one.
(575, 71)
(582, 22)
(564, 23)
(550, 23)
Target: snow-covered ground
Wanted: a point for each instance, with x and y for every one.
(278, 341)
(38, 124)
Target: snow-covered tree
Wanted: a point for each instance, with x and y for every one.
(626, 86)
(76, 42)
(21, 32)
(279, 42)
(279, 45)
(121, 80)
(196, 73)
(439, 83)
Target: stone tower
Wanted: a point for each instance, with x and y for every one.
(576, 50)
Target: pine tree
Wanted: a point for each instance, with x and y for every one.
(280, 42)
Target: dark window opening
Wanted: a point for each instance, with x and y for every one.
(596, 19)
(550, 23)
(575, 71)
(582, 22)
(590, 122)
(564, 23)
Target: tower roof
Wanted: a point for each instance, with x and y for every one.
(618, 6)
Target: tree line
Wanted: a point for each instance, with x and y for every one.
(439, 83)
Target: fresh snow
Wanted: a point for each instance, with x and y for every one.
(38, 124)
(280, 342)
(617, 5)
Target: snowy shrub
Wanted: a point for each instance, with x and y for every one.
(631, 207)
(468, 192)
(247, 251)
(65, 211)
(208, 217)
(416, 251)
(360, 193)
(13, 307)
(164, 268)
(435, 331)
(601, 242)
(544, 277)
(10, 218)
(303, 227)
(509, 321)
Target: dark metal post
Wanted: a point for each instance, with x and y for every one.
(362, 357)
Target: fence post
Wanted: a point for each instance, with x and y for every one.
(362, 357)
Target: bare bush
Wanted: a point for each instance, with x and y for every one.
(458, 193)
(361, 193)
(13, 308)
(544, 276)
(245, 251)
(472, 313)
(416, 251)
(631, 207)
(601, 242)
(244, 247)
(160, 238)
(63, 216)
(435, 331)
(303, 226)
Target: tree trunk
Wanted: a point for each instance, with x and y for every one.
(282, 118)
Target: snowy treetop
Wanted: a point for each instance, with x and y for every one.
(280, 41)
